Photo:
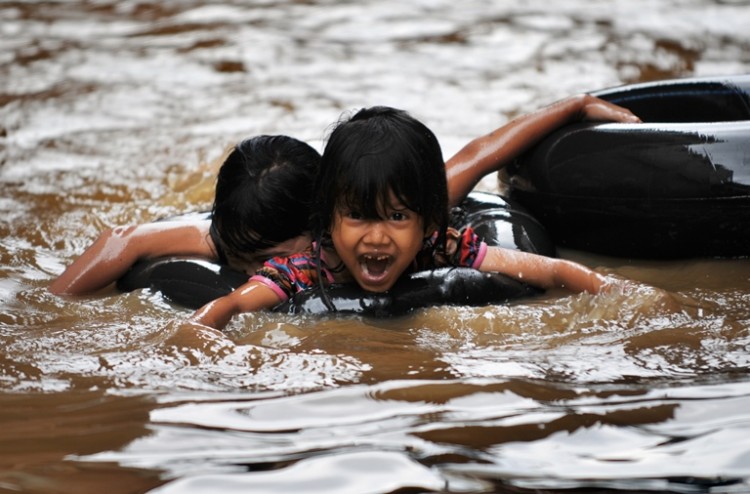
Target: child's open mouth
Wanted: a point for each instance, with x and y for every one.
(374, 267)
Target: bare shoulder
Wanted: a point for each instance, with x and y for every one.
(163, 238)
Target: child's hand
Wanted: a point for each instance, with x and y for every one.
(646, 294)
(195, 341)
(596, 109)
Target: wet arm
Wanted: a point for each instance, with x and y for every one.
(117, 249)
(544, 272)
(495, 150)
(250, 297)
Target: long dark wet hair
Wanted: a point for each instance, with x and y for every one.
(379, 151)
(376, 152)
(263, 194)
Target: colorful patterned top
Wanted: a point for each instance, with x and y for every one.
(289, 275)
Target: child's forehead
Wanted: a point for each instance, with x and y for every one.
(388, 200)
(393, 200)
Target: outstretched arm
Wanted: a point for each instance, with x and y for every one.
(250, 297)
(493, 151)
(542, 271)
(117, 249)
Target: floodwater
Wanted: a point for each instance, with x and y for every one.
(113, 112)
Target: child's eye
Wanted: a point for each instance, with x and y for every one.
(398, 216)
(355, 215)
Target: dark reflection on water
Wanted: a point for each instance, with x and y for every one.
(114, 112)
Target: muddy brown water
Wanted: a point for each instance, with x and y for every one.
(114, 112)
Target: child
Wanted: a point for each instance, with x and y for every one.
(263, 194)
(380, 210)
(260, 210)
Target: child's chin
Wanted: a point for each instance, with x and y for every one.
(375, 286)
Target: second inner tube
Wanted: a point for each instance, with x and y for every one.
(675, 186)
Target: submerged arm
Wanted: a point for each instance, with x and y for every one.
(250, 297)
(117, 249)
(495, 150)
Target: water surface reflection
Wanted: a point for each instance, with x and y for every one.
(113, 112)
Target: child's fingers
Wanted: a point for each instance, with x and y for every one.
(596, 109)
(647, 294)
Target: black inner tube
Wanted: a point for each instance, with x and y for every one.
(695, 100)
(192, 282)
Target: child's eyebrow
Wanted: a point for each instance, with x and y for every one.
(393, 202)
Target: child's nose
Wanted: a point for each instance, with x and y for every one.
(376, 234)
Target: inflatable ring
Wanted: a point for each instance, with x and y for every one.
(192, 282)
(675, 186)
